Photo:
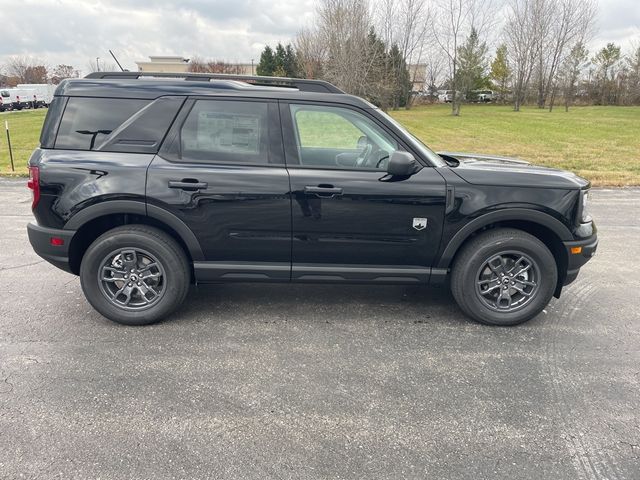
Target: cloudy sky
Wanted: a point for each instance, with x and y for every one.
(77, 31)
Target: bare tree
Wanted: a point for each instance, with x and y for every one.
(453, 22)
(310, 52)
(572, 21)
(199, 65)
(633, 67)
(435, 66)
(343, 27)
(27, 69)
(405, 23)
(522, 35)
(60, 72)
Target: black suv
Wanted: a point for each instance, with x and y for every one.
(146, 183)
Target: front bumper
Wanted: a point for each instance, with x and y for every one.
(41, 241)
(579, 252)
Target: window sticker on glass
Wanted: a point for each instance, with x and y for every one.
(227, 132)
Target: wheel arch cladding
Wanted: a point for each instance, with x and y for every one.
(542, 226)
(90, 225)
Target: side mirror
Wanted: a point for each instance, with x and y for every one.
(402, 164)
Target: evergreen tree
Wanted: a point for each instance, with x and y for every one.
(400, 77)
(472, 65)
(290, 62)
(570, 72)
(267, 64)
(606, 60)
(279, 56)
(500, 71)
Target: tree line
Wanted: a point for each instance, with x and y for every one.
(24, 69)
(526, 51)
(381, 49)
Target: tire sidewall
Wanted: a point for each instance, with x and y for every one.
(548, 274)
(175, 276)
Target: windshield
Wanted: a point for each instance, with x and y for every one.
(433, 157)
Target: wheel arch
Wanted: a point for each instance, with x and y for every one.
(547, 229)
(93, 221)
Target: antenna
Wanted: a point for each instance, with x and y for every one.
(114, 57)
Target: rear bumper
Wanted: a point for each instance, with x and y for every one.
(40, 239)
(575, 262)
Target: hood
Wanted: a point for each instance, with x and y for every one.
(480, 169)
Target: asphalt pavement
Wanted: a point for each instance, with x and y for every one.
(308, 381)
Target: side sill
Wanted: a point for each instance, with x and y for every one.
(223, 272)
(381, 274)
(216, 272)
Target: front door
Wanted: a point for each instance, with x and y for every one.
(351, 221)
(221, 171)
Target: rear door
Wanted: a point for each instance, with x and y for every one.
(351, 221)
(221, 171)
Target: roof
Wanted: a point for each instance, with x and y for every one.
(143, 85)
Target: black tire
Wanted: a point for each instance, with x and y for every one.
(471, 269)
(173, 273)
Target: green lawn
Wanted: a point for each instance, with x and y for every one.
(25, 129)
(599, 143)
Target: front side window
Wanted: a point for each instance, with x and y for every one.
(87, 122)
(336, 137)
(226, 131)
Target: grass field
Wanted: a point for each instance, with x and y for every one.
(598, 143)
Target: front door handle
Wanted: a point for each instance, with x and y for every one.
(326, 191)
(187, 184)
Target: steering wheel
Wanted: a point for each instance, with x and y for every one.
(384, 158)
(367, 147)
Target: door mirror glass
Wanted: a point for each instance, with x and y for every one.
(402, 164)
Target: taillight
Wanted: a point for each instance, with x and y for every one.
(34, 185)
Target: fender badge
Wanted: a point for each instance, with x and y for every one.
(419, 223)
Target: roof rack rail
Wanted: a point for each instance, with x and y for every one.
(302, 84)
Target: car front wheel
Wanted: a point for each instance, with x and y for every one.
(503, 277)
(135, 275)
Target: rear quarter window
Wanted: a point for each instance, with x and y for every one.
(51, 122)
(87, 122)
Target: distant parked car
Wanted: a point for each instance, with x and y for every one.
(446, 96)
(485, 96)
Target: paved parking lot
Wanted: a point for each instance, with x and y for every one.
(280, 381)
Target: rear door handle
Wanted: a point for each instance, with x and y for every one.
(323, 191)
(188, 184)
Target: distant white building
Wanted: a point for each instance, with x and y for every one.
(164, 64)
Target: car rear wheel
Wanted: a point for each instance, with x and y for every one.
(503, 277)
(135, 275)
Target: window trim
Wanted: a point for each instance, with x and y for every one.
(170, 150)
(291, 147)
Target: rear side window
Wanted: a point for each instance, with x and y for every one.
(226, 131)
(51, 122)
(87, 122)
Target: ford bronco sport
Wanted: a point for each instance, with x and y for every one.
(146, 183)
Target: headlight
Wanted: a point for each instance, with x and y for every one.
(585, 216)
